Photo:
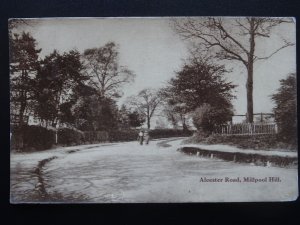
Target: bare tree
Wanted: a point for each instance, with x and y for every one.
(232, 39)
(107, 76)
(146, 102)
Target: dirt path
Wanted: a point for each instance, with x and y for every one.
(128, 172)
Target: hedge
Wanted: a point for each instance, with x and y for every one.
(123, 135)
(39, 138)
(166, 133)
(32, 138)
(67, 136)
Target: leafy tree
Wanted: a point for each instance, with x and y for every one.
(201, 82)
(135, 119)
(233, 39)
(286, 108)
(66, 116)
(201, 118)
(174, 109)
(92, 112)
(123, 119)
(107, 76)
(56, 81)
(129, 119)
(171, 115)
(24, 64)
(146, 103)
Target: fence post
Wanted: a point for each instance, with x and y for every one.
(247, 129)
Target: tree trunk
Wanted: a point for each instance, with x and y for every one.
(249, 85)
(148, 122)
(21, 121)
(22, 102)
(148, 117)
(184, 126)
(21, 114)
(250, 94)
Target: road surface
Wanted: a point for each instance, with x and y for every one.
(128, 172)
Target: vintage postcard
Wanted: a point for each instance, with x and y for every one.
(143, 110)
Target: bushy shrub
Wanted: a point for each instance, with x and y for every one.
(123, 135)
(206, 117)
(36, 138)
(40, 138)
(67, 136)
(202, 118)
(95, 136)
(166, 133)
(244, 141)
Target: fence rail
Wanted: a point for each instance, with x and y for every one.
(247, 129)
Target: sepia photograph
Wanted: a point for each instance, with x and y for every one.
(153, 110)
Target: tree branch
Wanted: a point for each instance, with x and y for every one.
(273, 53)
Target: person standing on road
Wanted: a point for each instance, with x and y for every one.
(141, 137)
(146, 136)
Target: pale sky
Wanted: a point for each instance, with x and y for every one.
(153, 51)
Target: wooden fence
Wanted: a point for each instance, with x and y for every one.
(247, 129)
